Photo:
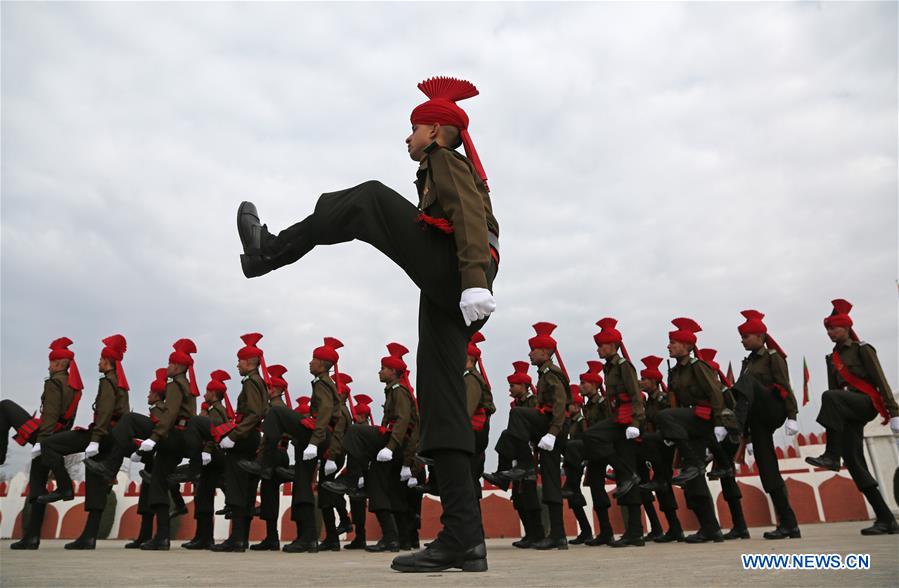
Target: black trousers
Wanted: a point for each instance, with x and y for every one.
(572, 463)
(270, 491)
(169, 453)
(382, 479)
(373, 213)
(692, 435)
(211, 477)
(596, 480)
(481, 441)
(844, 414)
(606, 441)
(529, 425)
(661, 457)
(12, 416)
(327, 499)
(130, 427)
(765, 413)
(53, 452)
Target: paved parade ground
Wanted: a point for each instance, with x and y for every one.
(666, 565)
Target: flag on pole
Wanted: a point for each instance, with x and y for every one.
(804, 382)
(730, 373)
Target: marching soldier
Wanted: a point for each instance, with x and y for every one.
(359, 503)
(167, 437)
(725, 450)
(156, 406)
(217, 408)
(524, 491)
(765, 383)
(654, 450)
(574, 471)
(111, 403)
(239, 439)
(270, 488)
(548, 426)
(480, 406)
(692, 424)
(380, 450)
(332, 504)
(858, 392)
(312, 433)
(59, 404)
(453, 262)
(612, 440)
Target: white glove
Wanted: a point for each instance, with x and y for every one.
(330, 467)
(412, 483)
(135, 457)
(36, 451)
(206, 458)
(720, 433)
(476, 304)
(894, 424)
(311, 452)
(147, 446)
(632, 432)
(405, 473)
(749, 456)
(360, 483)
(385, 454)
(792, 427)
(93, 448)
(226, 443)
(547, 442)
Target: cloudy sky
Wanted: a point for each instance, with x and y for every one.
(647, 161)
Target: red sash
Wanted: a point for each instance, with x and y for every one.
(33, 424)
(703, 410)
(478, 420)
(862, 386)
(781, 391)
(624, 413)
(220, 431)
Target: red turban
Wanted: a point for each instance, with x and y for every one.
(839, 317)
(593, 373)
(158, 385)
(181, 356)
(217, 384)
(686, 331)
(652, 372)
(520, 376)
(328, 351)
(59, 349)
(395, 359)
(755, 326)
(441, 108)
(609, 334)
(114, 350)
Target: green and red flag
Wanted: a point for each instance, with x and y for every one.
(804, 382)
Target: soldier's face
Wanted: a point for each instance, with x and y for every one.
(104, 365)
(57, 365)
(838, 334)
(469, 363)
(678, 349)
(317, 366)
(421, 137)
(606, 350)
(245, 366)
(386, 374)
(516, 390)
(174, 369)
(752, 341)
(588, 389)
(152, 397)
(646, 385)
(539, 356)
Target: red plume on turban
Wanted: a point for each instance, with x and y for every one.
(251, 350)
(652, 372)
(217, 384)
(708, 356)
(442, 109)
(158, 385)
(520, 375)
(474, 351)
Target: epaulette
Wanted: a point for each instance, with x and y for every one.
(621, 360)
(395, 386)
(466, 372)
(317, 379)
(693, 360)
(544, 369)
(772, 352)
(434, 145)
